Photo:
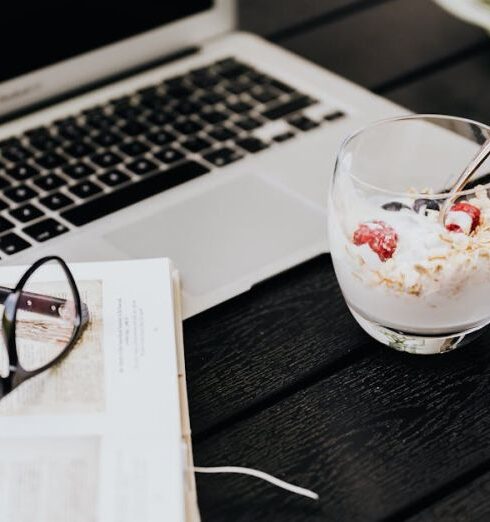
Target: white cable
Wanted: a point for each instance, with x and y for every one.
(260, 475)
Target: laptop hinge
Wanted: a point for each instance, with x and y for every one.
(72, 93)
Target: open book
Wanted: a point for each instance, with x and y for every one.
(104, 436)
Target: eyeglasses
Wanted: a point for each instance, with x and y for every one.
(42, 320)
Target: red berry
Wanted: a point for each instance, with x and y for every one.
(468, 208)
(381, 238)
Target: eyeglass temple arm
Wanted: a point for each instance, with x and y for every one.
(40, 304)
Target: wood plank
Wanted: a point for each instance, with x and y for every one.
(371, 440)
(461, 90)
(265, 17)
(471, 502)
(287, 331)
(386, 41)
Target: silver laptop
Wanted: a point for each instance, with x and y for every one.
(165, 132)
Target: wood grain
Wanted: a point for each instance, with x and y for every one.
(390, 40)
(471, 502)
(268, 16)
(460, 89)
(285, 332)
(371, 439)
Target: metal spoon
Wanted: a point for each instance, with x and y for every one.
(465, 176)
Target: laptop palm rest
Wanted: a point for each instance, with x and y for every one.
(227, 235)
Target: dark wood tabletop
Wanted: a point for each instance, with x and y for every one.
(283, 379)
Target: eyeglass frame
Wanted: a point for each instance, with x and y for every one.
(11, 299)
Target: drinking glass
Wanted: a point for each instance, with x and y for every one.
(412, 279)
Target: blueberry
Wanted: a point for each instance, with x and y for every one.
(394, 206)
(423, 204)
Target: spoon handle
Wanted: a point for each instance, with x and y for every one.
(465, 176)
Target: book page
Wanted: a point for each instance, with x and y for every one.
(97, 437)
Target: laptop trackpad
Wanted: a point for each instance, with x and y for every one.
(226, 234)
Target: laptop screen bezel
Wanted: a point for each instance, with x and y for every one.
(91, 67)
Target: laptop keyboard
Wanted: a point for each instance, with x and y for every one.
(111, 156)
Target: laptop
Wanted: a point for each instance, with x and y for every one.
(161, 131)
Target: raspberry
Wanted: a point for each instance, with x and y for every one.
(381, 238)
(453, 224)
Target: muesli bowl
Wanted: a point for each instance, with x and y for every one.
(412, 280)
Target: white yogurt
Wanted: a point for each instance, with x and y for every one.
(437, 282)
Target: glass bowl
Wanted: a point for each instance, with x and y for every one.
(413, 281)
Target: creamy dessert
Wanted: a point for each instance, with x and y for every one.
(400, 267)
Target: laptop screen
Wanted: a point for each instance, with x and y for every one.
(38, 34)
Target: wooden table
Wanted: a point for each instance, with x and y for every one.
(282, 378)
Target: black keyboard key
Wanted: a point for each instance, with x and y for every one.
(248, 124)
(284, 137)
(134, 148)
(78, 170)
(222, 133)
(4, 183)
(232, 69)
(134, 193)
(179, 92)
(239, 107)
(284, 109)
(44, 142)
(128, 111)
(122, 100)
(332, 116)
(142, 166)
(238, 87)
(22, 171)
(187, 127)
(106, 159)
(258, 78)
(214, 117)
(16, 153)
(186, 107)
(97, 119)
(50, 160)
(169, 155)
(46, 229)
(206, 81)
(20, 193)
(212, 98)
(302, 123)
(56, 201)
(26, 213)
(148, 92)
(106, 138)
(9, 142)
(223, 156)
(70, 130)
(85, 189)
(195, 144)
(160, 138)
(252, 144)
(159, 117)
(11, 244)
(5, 224)
(49, 182)
(133, 128)
(282, 86)
(263, 94)
(176, 81)
(114, 177)
(79, 149)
